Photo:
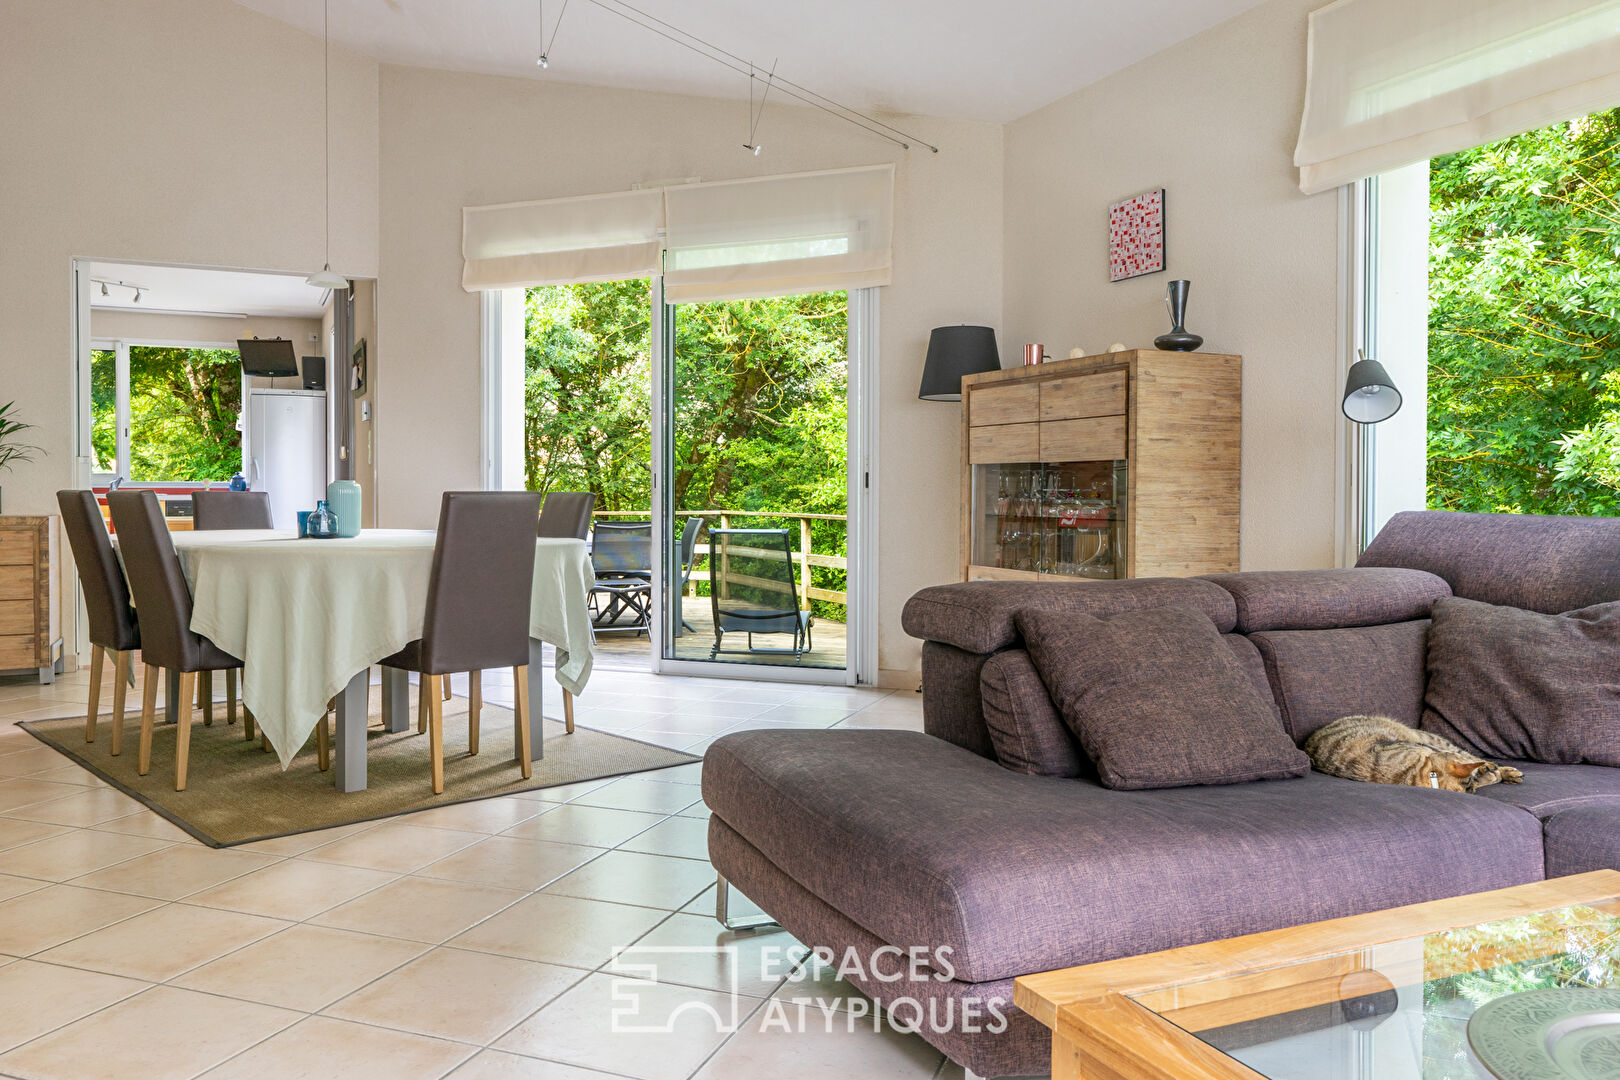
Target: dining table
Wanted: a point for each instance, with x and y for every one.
(309, 617)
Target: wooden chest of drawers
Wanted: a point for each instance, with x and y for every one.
(30, 611)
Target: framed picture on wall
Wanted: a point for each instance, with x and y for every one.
(1136, 236)
(357, 382)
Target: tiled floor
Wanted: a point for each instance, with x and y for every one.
(470, 941)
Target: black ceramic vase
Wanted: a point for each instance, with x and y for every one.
(1177, 340)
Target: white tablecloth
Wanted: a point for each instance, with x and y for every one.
(306, 615)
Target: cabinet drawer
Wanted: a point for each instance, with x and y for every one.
(17, 582)
(1010, 403)
(16, 617)
(1100, 438)
(17, 651)
(1003, 442)
(17, 546)
(1080, 396)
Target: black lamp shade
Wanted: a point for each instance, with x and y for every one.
(955, 351)
(1369, 393)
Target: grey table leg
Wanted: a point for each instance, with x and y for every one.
(171, 696)
(396, 700)
(350, 749)
(537, 699)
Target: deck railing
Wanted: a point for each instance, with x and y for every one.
(804, 554)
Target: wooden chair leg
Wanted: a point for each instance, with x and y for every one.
(230, 695)
(436, 730)
(143, 757)
(205, 692)
(446, 687)
(247, 722)
(568, 712)
(475, 706)
(264, 742)
(182, 734)
(98, 658)
(323, 744)
(120, 687)
(520, 718)
(422, 708)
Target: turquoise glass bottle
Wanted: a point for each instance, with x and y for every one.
(343, 496)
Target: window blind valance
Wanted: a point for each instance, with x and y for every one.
(767, 236)
(1391, 82)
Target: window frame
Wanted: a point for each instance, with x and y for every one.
(121, 464)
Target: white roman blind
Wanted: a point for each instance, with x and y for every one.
(1392, 82)
(779, 235)
(554, 241)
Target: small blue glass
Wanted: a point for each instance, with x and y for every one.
(303, 522)
(322, 524)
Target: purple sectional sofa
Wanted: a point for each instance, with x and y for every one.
(854, 840)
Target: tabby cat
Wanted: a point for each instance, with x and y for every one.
(1380, 750)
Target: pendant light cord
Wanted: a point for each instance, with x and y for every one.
(326, 116)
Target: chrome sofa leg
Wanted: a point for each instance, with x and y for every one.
(722, 899)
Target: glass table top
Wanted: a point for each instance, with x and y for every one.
(1397, 1011)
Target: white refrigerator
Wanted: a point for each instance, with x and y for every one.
(287, 450)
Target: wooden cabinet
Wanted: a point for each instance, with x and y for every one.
(30, 611)
(1120, 465)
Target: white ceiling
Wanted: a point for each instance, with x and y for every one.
(970, 59)
(178, 288)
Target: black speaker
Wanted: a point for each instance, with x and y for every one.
(314, 373)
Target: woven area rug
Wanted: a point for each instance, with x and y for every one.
(236, 793)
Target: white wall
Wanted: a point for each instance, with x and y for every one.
(451, 140)
(1213, 120)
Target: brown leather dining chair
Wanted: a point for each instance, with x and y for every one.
(106, 599)
(164, 602)
(231, 510)
(567, 515)
(477, 616)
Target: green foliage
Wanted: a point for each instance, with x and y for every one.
(104, 410)
(760, 406)
(1524, 403)
(13, 451)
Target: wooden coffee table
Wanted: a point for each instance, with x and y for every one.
(1382, 996)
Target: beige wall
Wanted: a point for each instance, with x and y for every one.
(1213, 120)
(173, 131)
(451, 140)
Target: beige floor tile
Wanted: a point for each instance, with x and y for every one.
(293, 889)
(699, 809)
(16, 886)
(629, 877)
(677, 774)
(559, 793)
(394, 846)
(421, 909)
(320, 1048)
(594, 826)
(73, 854)
(85, 807)
(499, 1065)
(27, 792)
(36, 998)
(176, 871)
(163, 942)
(160, 1034)
(720, 709)
(816, 1047)
(560, 930)
(58, 913)
(30, 760)
(689, 724)
(14, 833)
(485, 816)
(70, 774)
(508, 862)
(454, 994)
(146, 823)
(589, 1026)
(634, 793)
(739, 906)
(807, 715)
(298, 843)
(695, 950)
(683, 837)
(303, 967)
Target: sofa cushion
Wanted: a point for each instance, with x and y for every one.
(923, 843)
(978, 615)
(1519, 684)
(1551, 789)
(1321, 675)
(1585, 838)
(1157, 700)
(1029, 735)
(1329, 599)
(1546, 564)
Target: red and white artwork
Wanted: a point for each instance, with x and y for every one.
(1136, 236)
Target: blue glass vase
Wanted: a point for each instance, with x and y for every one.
(239, 482)
(322, 524)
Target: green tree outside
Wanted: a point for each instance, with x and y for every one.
(184, 405)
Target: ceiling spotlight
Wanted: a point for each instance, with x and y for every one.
(543, 62)
(137, 296)
(103, 288)
(755, 147)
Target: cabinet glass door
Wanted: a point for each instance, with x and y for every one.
(1063, 519)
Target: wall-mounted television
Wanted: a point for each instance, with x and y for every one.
(273, 357)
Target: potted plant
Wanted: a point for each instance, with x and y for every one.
(12, 449)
